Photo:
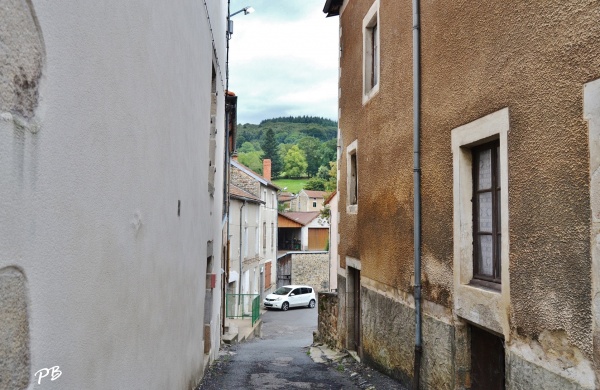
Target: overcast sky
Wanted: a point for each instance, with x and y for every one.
(283, 60)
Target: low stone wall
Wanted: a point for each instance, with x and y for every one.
(312, 269)
(328, 319)
(388, 334)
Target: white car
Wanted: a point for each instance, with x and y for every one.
(291, 296)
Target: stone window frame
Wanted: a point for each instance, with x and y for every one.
(371, 58)
(477, 303)
(352, 185)
(591, 114)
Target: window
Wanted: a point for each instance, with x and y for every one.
(256, 240)
(371, 52)
(486, 212)
(352, 178)
(481, 221)
(264, 235)
(272, 236)
(267, 275)
(314, 203)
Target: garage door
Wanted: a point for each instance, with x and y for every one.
(317, 239)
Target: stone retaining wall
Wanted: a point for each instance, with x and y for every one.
(311, 269)
(328, 319)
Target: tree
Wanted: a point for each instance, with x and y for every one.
(331, 184)
(315, 184)
(295, 162)
(246, 147)
(311, 148)
(328, 151)
(270, 150)
(283, 149)
(323, 172)
(252, 160)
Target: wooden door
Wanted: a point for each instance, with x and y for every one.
(317, 239)
(487, 360)
(284, 271)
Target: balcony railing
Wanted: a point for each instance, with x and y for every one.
(243, 306)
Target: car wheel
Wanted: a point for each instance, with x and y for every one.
(311, 304)
(285, 306)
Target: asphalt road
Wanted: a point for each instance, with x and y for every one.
(280, 359)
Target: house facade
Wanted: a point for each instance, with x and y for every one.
(308, 200)
(253, 232)
(303, 231)
(506, 112)
(112, 118)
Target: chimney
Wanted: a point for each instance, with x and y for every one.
(267, 169)
(234, 156)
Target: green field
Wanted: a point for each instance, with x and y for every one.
(293, 185)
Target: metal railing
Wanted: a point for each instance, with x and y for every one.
(242, 306)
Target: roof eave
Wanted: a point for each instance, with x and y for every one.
(332, 7)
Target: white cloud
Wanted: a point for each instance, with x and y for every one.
(284, 60)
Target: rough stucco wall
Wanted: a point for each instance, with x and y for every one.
(473, 65)
(381, 234)
(477, 59)
(89, 202)
(22, 53)
(14, 330)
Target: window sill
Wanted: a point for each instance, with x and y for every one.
(491, 286)
(368, 95)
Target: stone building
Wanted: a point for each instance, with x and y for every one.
(497, 202)
(112, 119)
(308, 200)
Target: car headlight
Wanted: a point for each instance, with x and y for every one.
(278, 299)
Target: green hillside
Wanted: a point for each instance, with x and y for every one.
(299, 147)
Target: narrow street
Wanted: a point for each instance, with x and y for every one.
(282, 358)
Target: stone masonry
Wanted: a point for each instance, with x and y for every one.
(328, 319)
(311, 269)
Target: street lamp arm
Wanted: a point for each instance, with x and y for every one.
(246, 10)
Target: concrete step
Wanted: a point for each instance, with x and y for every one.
(230, 338)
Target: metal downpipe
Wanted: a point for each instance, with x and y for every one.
(417, 186)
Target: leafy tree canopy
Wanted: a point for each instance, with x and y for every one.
(246, 147)
(315, 184)
(295, 163)
(312, 150)
(273, 138)
(271, 151)
(252, 160)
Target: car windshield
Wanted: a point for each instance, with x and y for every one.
(282, 291)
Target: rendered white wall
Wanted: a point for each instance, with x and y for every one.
(89, 199)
